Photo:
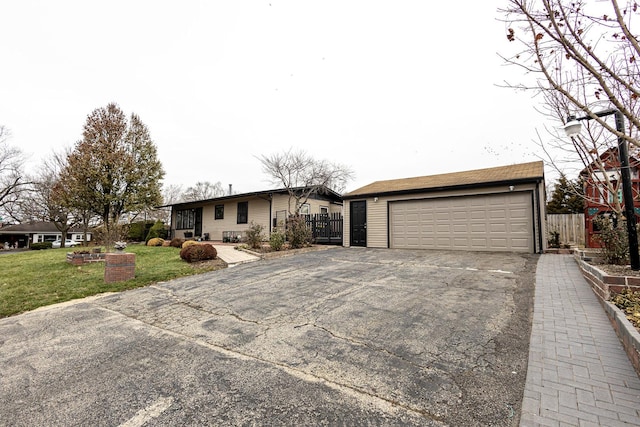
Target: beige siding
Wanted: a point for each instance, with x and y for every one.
(281, 203)
(259, 213)
(376, 214)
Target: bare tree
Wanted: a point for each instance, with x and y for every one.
(582, 58)
(12, 176)
(303, 176)
(46, 201)
(203, 191)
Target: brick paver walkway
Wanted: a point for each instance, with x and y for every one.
(578, 374)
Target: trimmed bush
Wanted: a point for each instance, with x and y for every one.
(176, 242)
(197, 252)
(156, 241)
(40, 246)
(189, 243)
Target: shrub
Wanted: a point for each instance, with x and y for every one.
(276, 241)
(176, 242)
(156, 241)
(614, 240)
(138, 231)
(198, 252)
(40, 246)
(554, 239)
(254, 235)
(157, 230)
(298, 234)
(189, 243)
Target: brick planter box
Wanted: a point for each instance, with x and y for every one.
(119, 267)
(79, 259)
(602, 285)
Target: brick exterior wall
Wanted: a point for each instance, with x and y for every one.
(119, 267)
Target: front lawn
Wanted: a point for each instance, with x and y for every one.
(33, 279)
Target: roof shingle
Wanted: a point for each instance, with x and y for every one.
(525, 171)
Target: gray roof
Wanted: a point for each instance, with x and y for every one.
(35, 227)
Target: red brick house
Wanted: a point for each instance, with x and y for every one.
(599, 197)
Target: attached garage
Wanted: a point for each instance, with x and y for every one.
(496, 209)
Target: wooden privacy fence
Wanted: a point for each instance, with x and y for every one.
(570, 226)
(325, 228)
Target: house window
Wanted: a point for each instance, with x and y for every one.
(243, 212)
(619, 196)
(305, 209)
(324, 210)
(185, 219)
(219, 211)
(600, 196)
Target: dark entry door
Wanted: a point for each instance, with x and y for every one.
(359, 223)
(198, 223)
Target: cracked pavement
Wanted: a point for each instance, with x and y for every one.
(346, 336)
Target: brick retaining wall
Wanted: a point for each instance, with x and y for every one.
(79, 259)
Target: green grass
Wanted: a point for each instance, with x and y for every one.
(33, 279)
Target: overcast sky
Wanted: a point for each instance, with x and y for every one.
(392, 89)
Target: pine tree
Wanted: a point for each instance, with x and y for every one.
(567, 197)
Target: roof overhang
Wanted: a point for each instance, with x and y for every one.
(266, 194)
(461, 187)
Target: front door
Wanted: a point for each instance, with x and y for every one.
(198, 223)
(359, 223)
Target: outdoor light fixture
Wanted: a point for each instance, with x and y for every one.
(572, 128)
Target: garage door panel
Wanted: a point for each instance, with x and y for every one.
(477, 214)
(479, 243)
(498, 228)
(489, 222)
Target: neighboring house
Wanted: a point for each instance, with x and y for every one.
(598, 197)
(36, 232)
(495, 209)
(228, 217)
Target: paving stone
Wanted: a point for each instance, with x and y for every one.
(579, 373)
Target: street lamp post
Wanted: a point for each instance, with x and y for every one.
(572, 128)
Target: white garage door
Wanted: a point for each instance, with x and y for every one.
(497, 222)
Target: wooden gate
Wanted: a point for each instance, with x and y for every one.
(326, 228)
(571, 227)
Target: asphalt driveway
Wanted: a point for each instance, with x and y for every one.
(345, 336)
